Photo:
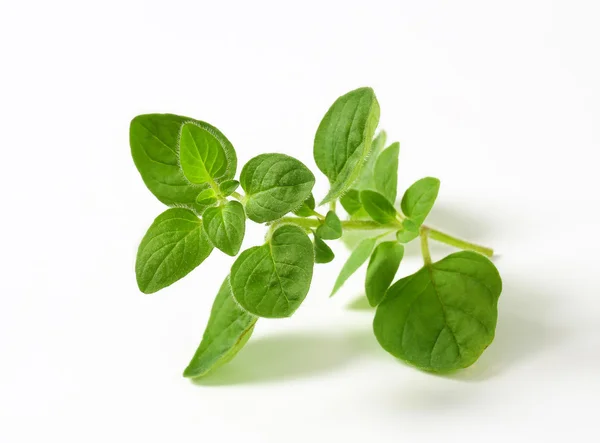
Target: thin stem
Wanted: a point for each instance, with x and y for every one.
(237, 196)
(425, 246)
(366, 225)
(458, 243)
(318, 215)
(369, 225)
(332, 205)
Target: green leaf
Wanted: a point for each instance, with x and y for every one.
(272, 280)
(323, 253)
(225, 226)
(202, 155)
(228, 187)
(229, 328)
(307, 208)
(382, 269)
(419, 199)
(355, 261)
(331, 229)
(154, 140)
(173, 246)
(351, 201)
(378, 207)
(408, 233)
(206, 197)
(275, 184)
(366, 180)
(386, 172)
(343, 139)
(444, 316)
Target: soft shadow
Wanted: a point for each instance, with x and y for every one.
(457, 221)
(291, 356)
(360, 303)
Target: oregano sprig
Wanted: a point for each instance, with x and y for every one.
(440, 318)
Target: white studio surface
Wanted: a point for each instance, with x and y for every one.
(500, 100)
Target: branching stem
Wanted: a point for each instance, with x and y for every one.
(368, 225)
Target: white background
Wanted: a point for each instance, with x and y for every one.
(500, 100)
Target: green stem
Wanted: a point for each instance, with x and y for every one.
(425, 246)
(369, 225)
(238, 196)
(458, 243)
(319, 216)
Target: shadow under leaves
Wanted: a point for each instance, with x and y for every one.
(291, 356)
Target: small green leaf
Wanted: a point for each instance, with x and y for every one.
(351, 201)
(367, 175)
(382, 269)
(229, 328)
(307, 208)
(386, 172)
(408, 233)
(444, 316)
(173, 246)
(206, 197)
(154, 140)
(355, 261)
(202, 156)
(323, 253)
(419, 199)
(225, 226)
(378, 207)
(343, 139)
(331, 229)
(228, 187)
(272, 280)
(275, 184)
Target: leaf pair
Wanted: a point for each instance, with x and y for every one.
(176, 180)
(190, 164)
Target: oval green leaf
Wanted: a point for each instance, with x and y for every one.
(378, 207)
(343, 139)
(174, 245)
(275, 184)
(383, 265)
(386, 172)
(360, 255)
(272, 280)
(154, 140)
(331, 228)
(206, 197)
(419, 199)
(444, 316)
(351, 202)
(307, 208)
(408, 233)
(228, 187)
(203, 157)
(225, 226)
(323, 253)
(229, 328)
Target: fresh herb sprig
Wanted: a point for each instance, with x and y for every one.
(440, 318)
